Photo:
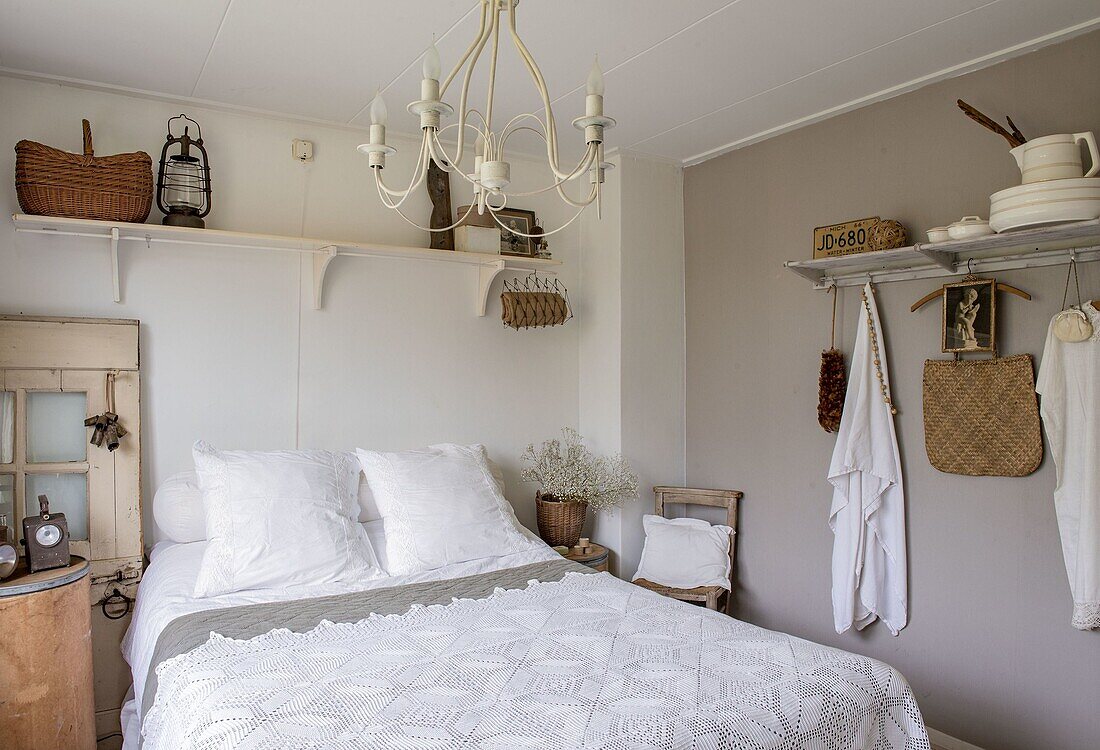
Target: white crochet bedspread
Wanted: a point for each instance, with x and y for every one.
(586, 662)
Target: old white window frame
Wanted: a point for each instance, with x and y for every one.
(75, 355)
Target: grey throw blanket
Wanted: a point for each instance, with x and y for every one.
(185, 633)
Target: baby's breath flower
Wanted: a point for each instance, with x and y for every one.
(603, 482)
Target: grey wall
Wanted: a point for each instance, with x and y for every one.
(989, 649)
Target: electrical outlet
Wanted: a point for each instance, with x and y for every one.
(302, 150)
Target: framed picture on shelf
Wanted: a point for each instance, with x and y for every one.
(970, 316)
(521, 221)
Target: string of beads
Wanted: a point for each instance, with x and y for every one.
(874, 348)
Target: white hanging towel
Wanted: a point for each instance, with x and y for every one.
(868, 511)
(1069, 382)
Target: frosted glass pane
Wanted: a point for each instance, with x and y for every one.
(7, 499)
(7, 427)
(68, 494)
(55, 427)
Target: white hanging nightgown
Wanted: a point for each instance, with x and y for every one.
(1069, 382)
(868, 511)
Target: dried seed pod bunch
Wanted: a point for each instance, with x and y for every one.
(832, 384)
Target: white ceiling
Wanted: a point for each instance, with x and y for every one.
(686, 80)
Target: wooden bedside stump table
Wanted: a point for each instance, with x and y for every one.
(594, 556)
(46, 698)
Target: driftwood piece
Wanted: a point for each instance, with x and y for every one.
(1014, 139)
(439, 190)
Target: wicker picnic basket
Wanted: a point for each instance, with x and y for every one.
(52, 182)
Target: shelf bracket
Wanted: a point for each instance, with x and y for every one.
(811, 274)
(114, 265)
(486, 275)
(321, 260)
(944, 260)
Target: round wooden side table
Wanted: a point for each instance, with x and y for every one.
(594, 556)
(46, 698)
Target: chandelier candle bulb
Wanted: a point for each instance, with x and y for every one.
(429, 86)
(431, 67)
(593, 102)
(378, 112)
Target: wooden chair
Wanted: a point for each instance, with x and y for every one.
(710, 596)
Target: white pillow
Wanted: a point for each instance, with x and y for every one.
(684, 553)
(279, 518)
(368, 508)
(179, 512)
(441, 505)
(177, 508)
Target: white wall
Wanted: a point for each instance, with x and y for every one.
(600, 331)
(232, 350)
(653, 367)
(632, 352)
(989, 650)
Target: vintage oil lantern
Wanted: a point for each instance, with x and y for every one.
(183, 180)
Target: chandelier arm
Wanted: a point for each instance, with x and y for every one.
(493, 69)
(452, 169)
(386, 192)
(386, 201)
(540, 84)
(579, 204)
(581, 168)
(512, 127)
(418, 177)
(429, 229)
(439, 152)
(413, 179)
(469, 51)
(562, 177)
(483, 38)
(466, 91)
(510, 132)
(576, 203)
(537, 236)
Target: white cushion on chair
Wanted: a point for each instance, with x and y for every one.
(684, 553)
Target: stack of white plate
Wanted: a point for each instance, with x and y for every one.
(1049, 202)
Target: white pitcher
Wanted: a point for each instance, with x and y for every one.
(1056, 157)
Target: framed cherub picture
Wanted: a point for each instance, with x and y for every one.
(970, 316)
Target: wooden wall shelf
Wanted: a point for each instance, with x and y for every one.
(1026, 248)
(486, 266)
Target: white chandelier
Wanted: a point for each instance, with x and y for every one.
(491, 175)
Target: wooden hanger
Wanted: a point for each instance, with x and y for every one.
(1001, 287)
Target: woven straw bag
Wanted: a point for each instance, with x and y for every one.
(981, 417)
(52, 182)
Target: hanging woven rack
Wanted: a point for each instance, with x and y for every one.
(534, 302)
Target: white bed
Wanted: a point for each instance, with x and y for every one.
(166, 592)
(656, 673)
(522, 649)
